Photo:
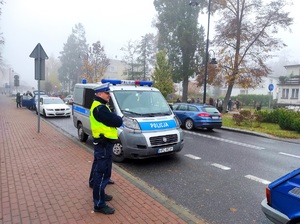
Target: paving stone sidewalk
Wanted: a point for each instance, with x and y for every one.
(44, 179)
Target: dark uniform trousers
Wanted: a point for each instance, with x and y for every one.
(101, 172)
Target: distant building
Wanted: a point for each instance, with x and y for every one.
(289, 87)
(115, 70)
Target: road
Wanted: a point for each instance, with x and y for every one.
(219, 175)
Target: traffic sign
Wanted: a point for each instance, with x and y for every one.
(39, 56)
(271, 87)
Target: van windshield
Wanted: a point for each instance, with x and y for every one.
(136, 103)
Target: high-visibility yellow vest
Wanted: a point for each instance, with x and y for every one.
(99, 128)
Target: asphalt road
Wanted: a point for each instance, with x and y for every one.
(219, 175)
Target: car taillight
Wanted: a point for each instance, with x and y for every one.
(203, 115)
(268, 195)
(220, 115)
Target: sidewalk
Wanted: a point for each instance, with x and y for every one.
(44, 179)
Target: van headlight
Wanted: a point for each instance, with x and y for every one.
(131, 123)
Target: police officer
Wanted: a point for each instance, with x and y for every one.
(104, 131)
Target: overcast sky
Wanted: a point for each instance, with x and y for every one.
(25, 23)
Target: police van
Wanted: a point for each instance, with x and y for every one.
(149, 128)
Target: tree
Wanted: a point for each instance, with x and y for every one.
(76, 47)
(95, 64)
(51, 76)
(133, 68)
(179, 33)
(162, 75)
(146, 50)
(244, 39)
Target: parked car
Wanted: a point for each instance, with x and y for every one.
(282, 202)
(35, 98)
(198, 116)
(68, 99)
(28, 102)
(53, 107)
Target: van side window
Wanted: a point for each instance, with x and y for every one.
(88, 99)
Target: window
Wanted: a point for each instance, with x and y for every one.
(295, 94)
(285, 94)
(111, 68)
(191, 108)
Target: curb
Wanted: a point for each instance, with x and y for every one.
(295, 141)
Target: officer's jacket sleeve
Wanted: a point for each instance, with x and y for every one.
(103, 115)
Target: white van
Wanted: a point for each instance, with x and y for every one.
(149, 128)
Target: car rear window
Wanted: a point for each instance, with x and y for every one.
(210, 110)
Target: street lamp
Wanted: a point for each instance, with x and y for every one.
(195, 3)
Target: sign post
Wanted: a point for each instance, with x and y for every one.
(271, 88)
(39, 56)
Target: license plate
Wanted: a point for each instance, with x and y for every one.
(163, 150)
(214, 117)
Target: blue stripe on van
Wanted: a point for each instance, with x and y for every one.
(81, 110)
(161, 125)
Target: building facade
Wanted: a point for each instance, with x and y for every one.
(289, 87)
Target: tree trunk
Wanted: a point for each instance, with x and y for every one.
(227, 96)
(185, 83)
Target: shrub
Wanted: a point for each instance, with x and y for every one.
(296, 125)
(238, 119)
(288, 119)
(245, 117)
(272, 116)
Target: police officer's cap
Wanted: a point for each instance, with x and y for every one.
(102, 88)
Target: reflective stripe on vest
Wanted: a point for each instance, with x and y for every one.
(99, 128)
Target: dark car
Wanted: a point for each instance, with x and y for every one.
(198, 116)
(28, 102)
(282, 202)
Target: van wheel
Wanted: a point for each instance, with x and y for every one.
(81, 135)
(118, 154)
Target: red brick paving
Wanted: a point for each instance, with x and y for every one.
(44, 179)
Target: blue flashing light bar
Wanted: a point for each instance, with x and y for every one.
(127, 82)
(83, 81)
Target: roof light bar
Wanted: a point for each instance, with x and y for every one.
(127, 82)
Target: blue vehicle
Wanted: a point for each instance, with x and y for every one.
(198, 116)
(282, 202)
(29, 101)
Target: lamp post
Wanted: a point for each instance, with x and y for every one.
(195, 3)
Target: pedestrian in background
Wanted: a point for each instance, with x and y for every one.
(237, 104)
(211, 101)
(104, 125)
(18, 100)
(229, 104)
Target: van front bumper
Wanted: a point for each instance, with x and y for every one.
(136, 146)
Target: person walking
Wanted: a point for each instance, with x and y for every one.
(229, 104)
(104, 125)
(237, 104)
(18, 100)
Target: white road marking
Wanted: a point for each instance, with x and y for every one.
(221, 166)
(251, 177)
(291, 155)
(192, 156)
(226, 140)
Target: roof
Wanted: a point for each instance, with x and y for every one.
(291, 66)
